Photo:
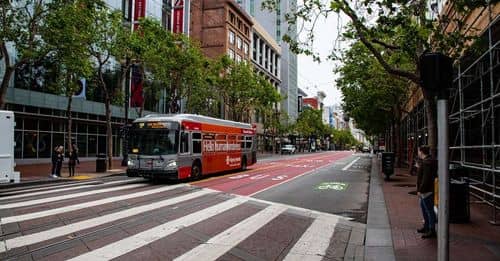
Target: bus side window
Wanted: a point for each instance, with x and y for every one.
(196, 138)
(184, 142)
(248, 142)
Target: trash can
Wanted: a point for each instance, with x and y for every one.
(101, 163)
(388, 164)
(459, 194)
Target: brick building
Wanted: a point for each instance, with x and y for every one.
(221, 27)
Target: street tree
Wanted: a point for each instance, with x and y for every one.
(403, 28)
(67, 33)
(309, 123)
(20, 25)
(371, 96)
(106, 24)
(172, 61)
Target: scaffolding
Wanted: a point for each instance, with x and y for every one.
(475, 120)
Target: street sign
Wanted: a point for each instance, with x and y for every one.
(340, 186)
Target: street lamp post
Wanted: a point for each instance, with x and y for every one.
(436, 74)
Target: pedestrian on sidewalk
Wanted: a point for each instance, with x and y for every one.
(54, 161)
(73, 159)
(59, 161)
(427, 172)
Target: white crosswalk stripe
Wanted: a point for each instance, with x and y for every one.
(250, 217)
(65, 230)
(75, 187)
(314, 242)
(131, 243)
(56, 211)
(223, 242)
(69, 196)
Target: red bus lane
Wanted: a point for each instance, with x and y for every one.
(266, 175)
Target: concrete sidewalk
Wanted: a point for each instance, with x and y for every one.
(476, 240)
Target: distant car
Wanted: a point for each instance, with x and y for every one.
(288, 149)
(366, 149)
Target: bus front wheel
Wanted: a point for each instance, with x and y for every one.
(196, 171)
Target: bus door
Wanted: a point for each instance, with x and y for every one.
(184, 160)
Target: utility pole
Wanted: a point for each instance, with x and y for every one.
(127, 84)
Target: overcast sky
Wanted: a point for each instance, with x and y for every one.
(313, 76)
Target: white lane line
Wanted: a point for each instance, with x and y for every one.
(350, 164)
(75, 186)
(226, 240)
(131, 243)
(69, 196)
(56, 211)
(290, 179)
(314, 242)
(71, 228)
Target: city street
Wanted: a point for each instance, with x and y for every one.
(293, 207)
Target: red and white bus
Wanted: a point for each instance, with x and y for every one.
(181, 146)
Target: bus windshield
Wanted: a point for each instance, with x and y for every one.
(153, 141)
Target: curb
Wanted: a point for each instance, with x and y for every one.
(378, 243)
(52, 181)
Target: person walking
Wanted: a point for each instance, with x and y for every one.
(59, 161)
(54, 161)
(73, 160)
(427, 172)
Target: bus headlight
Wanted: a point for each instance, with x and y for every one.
(130, 163)
(172, 164)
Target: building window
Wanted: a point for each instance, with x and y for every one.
(238, 58)
(231, 17)
(231, 37)
(247, 31)
(127, 10)
(230, 52)
(239, 24)
(238, 42)
(245, 48)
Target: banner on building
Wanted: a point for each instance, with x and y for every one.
(139, 11)
(136, 92)
(178, 17)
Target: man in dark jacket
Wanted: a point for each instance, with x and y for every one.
(427, 172)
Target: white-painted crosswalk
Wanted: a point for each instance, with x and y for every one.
(167, 222)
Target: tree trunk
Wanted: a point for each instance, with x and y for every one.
(109, 130)
(70, 122)
(5, 84)
(430, 114)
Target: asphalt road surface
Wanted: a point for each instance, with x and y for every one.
(299, 207)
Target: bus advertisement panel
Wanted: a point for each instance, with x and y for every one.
(188, 146)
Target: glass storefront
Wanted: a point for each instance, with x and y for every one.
(36, 135)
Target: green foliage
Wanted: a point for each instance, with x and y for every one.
(67, 32)
(371, 96)
(342, 138)
(310, 123)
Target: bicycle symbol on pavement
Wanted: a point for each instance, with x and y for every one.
(332, 185)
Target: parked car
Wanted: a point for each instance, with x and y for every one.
(288, 149)
(366, 149)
